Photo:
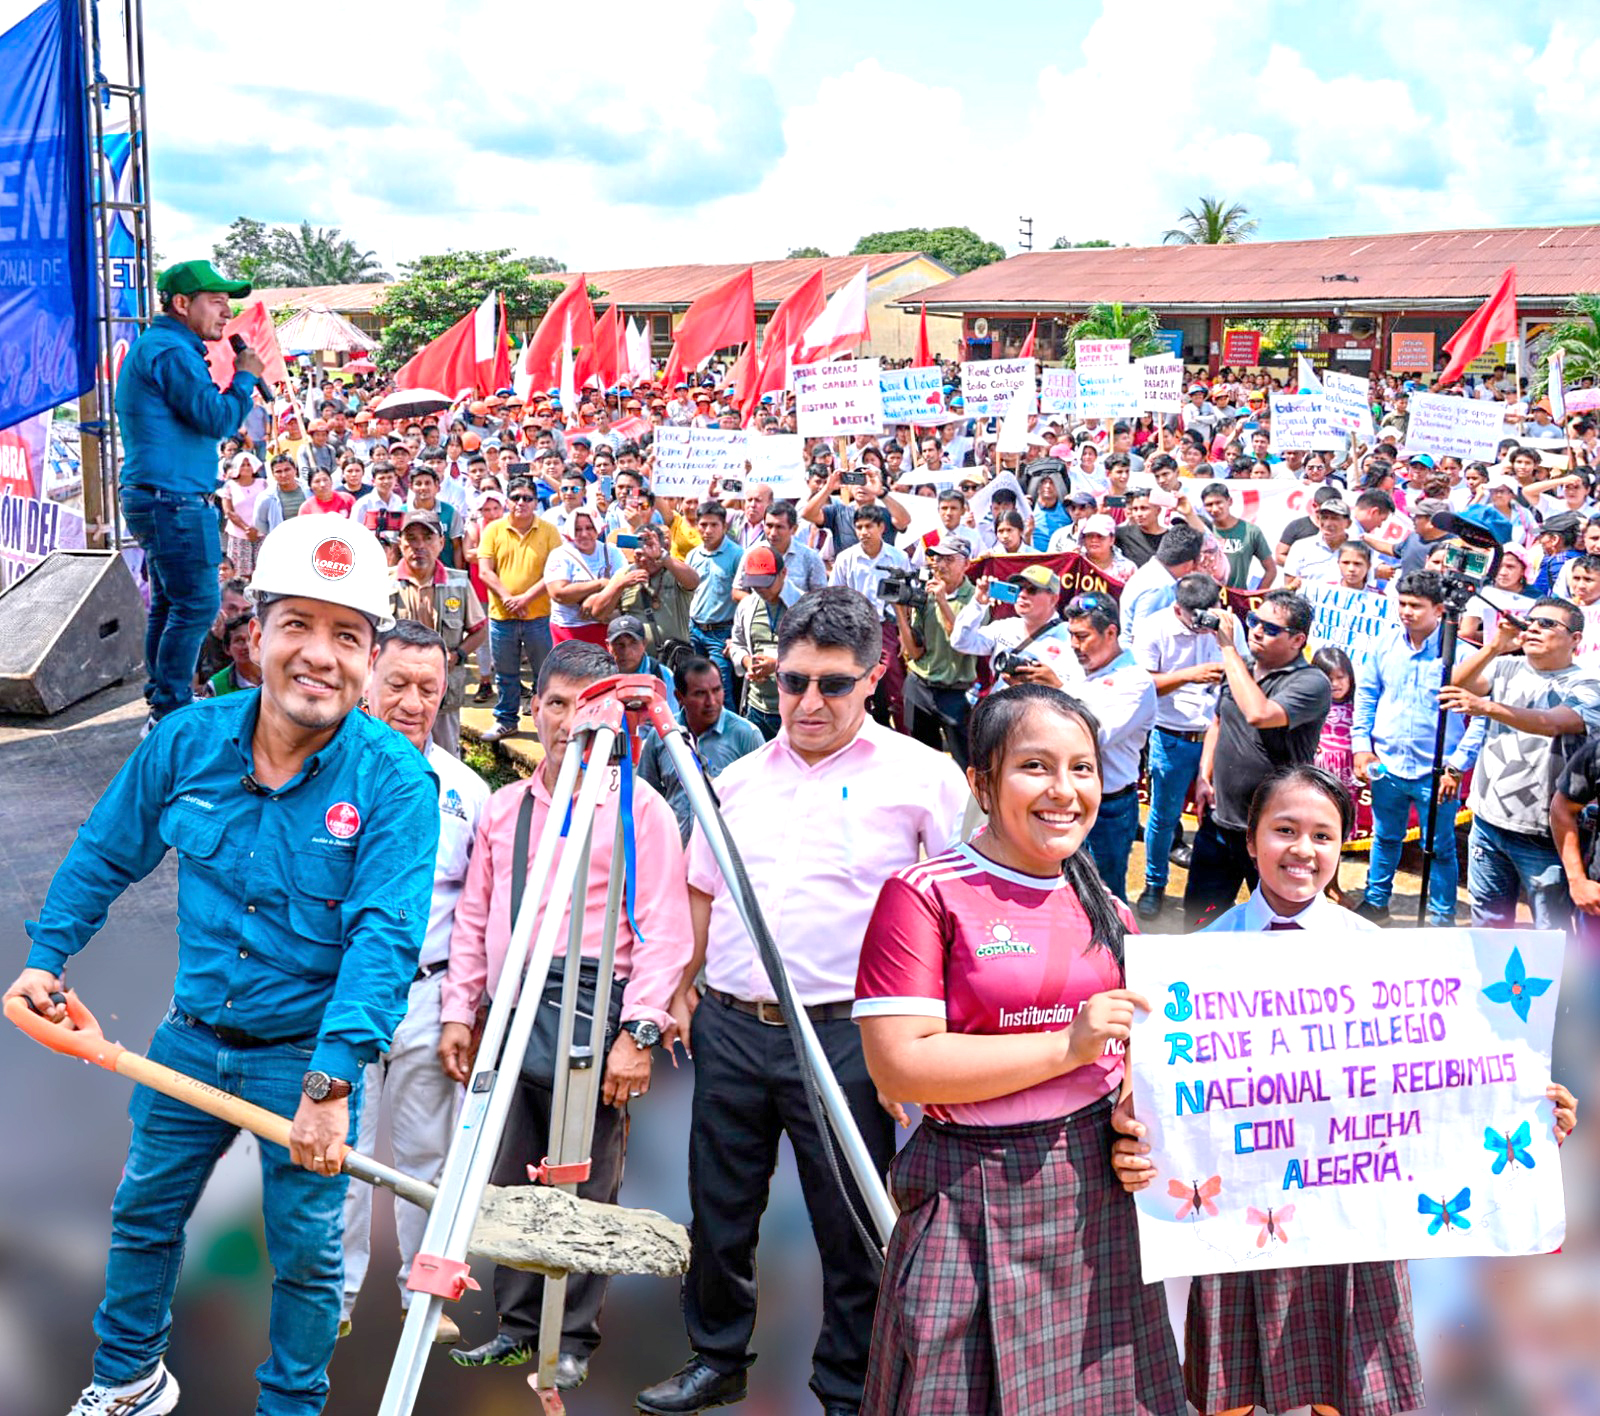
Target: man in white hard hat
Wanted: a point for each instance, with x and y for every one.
(305, 833)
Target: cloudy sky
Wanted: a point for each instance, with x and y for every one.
(631, 133)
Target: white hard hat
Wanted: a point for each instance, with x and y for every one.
(326, 558)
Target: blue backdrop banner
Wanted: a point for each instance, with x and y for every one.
(47, 286)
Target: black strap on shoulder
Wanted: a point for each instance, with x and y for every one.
(519, 853)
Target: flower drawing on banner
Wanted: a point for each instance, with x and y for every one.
(1517, 988)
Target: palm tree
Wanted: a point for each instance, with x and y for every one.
(310, 255)
(1114, 321)
(1578, 334)
(1214, 224)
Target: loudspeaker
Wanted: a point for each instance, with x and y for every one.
(71, 625)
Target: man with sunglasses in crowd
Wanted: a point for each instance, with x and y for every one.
(1269, 715)
(857, 802)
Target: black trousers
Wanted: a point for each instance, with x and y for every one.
(747, 1093)
(936, 717)
(1218, 865)
(518, 1293)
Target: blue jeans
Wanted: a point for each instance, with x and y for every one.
(1392, 800)
(769, 723)
(182, 549)
(512, 641)
(1500, 863)
(1110, 841)
(170, 1158)
(1174, 761)
(711, 641)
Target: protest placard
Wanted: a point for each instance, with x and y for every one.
(778, 459)
(1058, 391)
(41, 507)
(987, 385)
(1348, 403)
(1352, 1097)
(1411, 351)
(1241, 346)
(1162, 384)
(839, 399)
(1110, 391)
(1357, 621)
(1303, 422)
(1101, 353)
(689, 459)
(910, 395)
(1443, 426)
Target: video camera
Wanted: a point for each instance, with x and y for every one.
(1471, 562)
(1205, 619)
(904, 587)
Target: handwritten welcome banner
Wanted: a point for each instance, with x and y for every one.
(1338, 1097)
(839, 399)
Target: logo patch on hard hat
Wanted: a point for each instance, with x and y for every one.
(342, 820)
(333, 559)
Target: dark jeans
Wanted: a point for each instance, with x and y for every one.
(769, 723)
(747, 1093)
(936, 716)
(1502, 864)
(1110, 840)
(178, 532)
(1218, 865)
(518, 1293)
(511, 642)
(712, 641)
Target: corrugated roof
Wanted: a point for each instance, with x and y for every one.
(317, 328)
(1462, 267)
(668, 287)
(345, 299)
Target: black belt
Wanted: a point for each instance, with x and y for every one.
(236, 1038)
(1130, 790)
(209, 498)
(1183, 733)
(429, 970)
(770, 1014)
(706, 626)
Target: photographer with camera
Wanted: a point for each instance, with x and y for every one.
(1035, 634)
(864, 488)
(862, 567)
(938, 677)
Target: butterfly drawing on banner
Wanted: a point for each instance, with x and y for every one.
(1271, 1222)
(1197, 1195)
(1511, 1147)
(1447, 1214)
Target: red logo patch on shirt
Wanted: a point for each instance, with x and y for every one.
(342, 820)
(333, 558)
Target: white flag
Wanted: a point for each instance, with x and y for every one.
(569, 391)
(842, 322)
(637, 342)
(1307, 376)
(1013, 435)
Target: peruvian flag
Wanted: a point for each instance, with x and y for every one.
(570, 316)
(924, 357)
(841, 325)
(255, 326)
(723, 317)
(469, 356)
(637, 342)
(1492, 322)
(802, 305)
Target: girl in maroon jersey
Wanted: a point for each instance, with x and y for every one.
(990, 991)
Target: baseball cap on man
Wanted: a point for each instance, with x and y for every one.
(760, 568)
(950, 544)
(1036, 577)
(198, 278)
(623, 626)
(422, 516)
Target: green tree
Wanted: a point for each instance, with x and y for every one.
(1064, 243)
(1114, 321)
(958, 247)
(320, 255)
(245, 253)
(433, 292)
(1213, 223)
(1579, 334)
(802, 253)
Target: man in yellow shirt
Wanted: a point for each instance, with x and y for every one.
(511, 558)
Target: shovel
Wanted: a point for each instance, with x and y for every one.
(520, 1226)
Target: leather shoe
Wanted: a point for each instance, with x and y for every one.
(571, 1371)
(1150, 902)
(1182, 857)
(693, 1387)
(1376, 913)
(501, 1350)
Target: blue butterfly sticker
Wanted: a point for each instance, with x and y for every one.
(1517, 988)
(1446, 1213)
(1511, 1148)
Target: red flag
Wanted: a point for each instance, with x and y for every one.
(924, 357)
(789, 321)
(605, 364)
(448, 364)
(255, 326)
(724, 316)
(1027, 344)
(743, 369)
(541, 360)
(1492, 322)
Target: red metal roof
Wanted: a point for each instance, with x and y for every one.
(342, 299)
(671, 287)
(1454, 268)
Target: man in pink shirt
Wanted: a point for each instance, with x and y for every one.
(649, 968)
(854, 802)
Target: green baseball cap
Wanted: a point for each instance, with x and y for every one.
(196, 277)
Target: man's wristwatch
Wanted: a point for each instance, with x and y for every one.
(319, 1086)
(644, 1033)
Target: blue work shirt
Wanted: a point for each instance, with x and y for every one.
(713, 596)
(1397, 709)
(727, 740)
(301, 911)
(172, 413)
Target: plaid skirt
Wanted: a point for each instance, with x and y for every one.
(1281, 1338)
(1011, 1285)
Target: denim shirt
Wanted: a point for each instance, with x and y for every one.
(1397, 709)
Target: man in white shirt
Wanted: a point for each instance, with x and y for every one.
(1035, 634)
(1154, 585)
(405, 691)
(862, 567)
(383, 508)
(1314, 560)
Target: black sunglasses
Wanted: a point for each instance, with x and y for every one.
(523, 497)
(1272, 631)
(828, 685)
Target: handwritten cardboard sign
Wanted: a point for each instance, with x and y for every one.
(1058, 391)
(1342, 1097)
(1101, 353)
(778, 459)
(1357, 621)
(1303, 422)
(1468, 428)
(1348, 403)
(987, 385)
(1110, 391)
(1161, 388)
(911, 395)
(839, 399)
(688, 460)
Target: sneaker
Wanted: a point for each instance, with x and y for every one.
(1149, 906)
(497, 733)
(1376, 913)
(153, 1394)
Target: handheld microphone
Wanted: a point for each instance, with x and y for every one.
(238, 343)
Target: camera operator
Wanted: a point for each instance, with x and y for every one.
(937, 676)
(1036, 632)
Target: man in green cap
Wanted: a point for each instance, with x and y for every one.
(171, 415)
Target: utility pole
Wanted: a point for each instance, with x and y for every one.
(1025, 233)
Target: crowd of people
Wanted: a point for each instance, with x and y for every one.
(1080, 630)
